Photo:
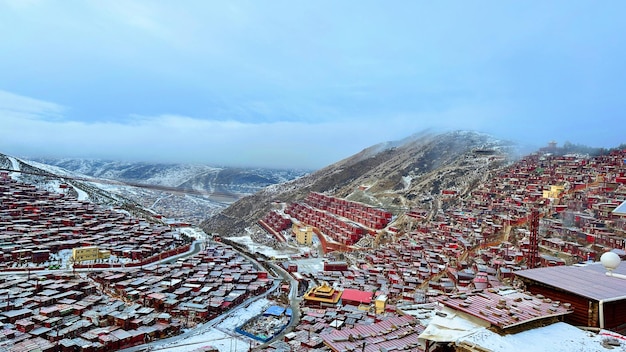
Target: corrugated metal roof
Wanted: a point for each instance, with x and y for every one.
(588, 281)
(391, 334)
(357, 296)
(504, 311)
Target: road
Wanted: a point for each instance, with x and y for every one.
(174, 341)
(195, 247)
(294, 303)
(212, 324)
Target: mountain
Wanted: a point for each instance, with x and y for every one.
(186, 192)
(406, 174)
(225, 181)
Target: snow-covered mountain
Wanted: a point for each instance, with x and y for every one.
(186, 192)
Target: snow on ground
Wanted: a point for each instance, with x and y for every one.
(176, 176)
(310, 266)
(82, 195)
(244, 314)
(406, 181)
(14, 166)
(223, 335)
(257, 247)
(118, 188)
(194, 232)
(558, 337)
(51, 168)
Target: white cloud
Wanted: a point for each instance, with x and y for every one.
(32, 127)
(28, 130)
(17, 105)
(148, 18)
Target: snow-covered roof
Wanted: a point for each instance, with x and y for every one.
(451, 327)
(558, 337)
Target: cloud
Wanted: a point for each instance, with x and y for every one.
(301, 84)
(33, 128)
(16, 105)
(28, 130)
(21, 4)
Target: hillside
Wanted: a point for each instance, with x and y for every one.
(183, 191)
(57, 180)
(229, 182)
(188, 192)
(396, 176)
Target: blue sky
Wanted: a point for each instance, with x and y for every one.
(303, 83)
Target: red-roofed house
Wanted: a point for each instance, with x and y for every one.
(356, 297)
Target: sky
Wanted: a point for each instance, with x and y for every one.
(302, 84)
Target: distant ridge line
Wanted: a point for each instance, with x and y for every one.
(132, 184)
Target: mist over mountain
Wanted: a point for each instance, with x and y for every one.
(400, 175)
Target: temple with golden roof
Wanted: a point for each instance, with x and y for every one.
(322, 295)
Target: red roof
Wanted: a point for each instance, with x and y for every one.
(588, 281)
(359, 296)
(507, 310)
(392, 334)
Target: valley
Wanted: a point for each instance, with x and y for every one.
(383, 250)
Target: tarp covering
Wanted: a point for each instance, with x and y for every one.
(274, 310)
(449, 328)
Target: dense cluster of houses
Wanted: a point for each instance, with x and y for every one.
(96, 310)
(477, 243)
(274, 223)
(59, 312)
(344, 221)
(201, 287)
(361, 320)
(114, 310)
(36, 223)
(468, 243)
(431, 268)
(332, 327)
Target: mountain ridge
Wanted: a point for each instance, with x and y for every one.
(187, 192)
(403, 174)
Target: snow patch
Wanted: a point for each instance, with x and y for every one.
(222, 336)
(558, 337)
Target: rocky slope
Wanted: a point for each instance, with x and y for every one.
(397, 176)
